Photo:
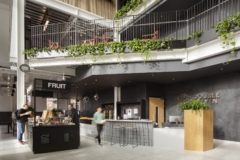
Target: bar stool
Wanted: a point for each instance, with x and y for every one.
(119, 133)
(131, 134)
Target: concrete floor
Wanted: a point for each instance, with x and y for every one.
(89, 150)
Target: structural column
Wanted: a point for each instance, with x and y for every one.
(20, 47)
(117, 98)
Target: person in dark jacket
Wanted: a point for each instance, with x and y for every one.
(73, 113)
(22, 117)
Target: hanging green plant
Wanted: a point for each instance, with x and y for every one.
(195, 36)
(131, 4)
(224, 30)
(97, 51)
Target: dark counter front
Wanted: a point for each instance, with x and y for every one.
(53, 138)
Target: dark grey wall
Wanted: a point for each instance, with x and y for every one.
(133, 93)
(226, 112)
(106, 96)
(130, 93)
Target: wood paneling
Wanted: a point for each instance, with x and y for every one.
(153, 103)
(198, 130)
(102, 8)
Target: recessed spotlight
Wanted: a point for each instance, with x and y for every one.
(129, 81)
(113, 85)
(221, 68)
(96, 80)
(93, 83)
(152, 74)
(90, 91)
(173, 79)
(107, 78)
(85, 84)
(100, 88)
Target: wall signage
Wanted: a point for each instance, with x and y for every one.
(55, 85)
(211, 98)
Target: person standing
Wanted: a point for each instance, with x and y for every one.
(22, 115)
(73, 113)
(98, 119)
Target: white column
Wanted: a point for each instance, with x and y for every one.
(119, 94)
(20, 47)
(115, 102)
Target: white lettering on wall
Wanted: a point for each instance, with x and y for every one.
(56, 85)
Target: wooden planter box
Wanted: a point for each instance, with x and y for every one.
(198, 130)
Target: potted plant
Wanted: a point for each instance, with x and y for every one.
(198, 125)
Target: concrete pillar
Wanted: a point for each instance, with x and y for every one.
(20, 47)
(115, 102)
(117, 98)
(19, 8)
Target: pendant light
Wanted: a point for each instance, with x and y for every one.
(96, 97)
(63, 78)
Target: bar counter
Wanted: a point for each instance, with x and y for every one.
(43, 139)
(144, 131)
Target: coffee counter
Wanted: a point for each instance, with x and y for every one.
(144, 130)
(43, 139)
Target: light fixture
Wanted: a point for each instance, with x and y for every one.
(8, 87)
(96, 97)
(85, 99)
(46, 24)
(152, 74)
(85, 84)
(63, 78)
(8, 77)
(8, 82)
(129, 81)
(173, 79)
(96, 80)
(221, 68)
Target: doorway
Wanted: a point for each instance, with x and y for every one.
(156, 110)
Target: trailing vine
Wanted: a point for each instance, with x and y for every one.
(97, 51)
(224, 29)
(131, 4)
(195, 36)
(118, 48)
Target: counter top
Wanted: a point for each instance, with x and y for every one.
(140, 121)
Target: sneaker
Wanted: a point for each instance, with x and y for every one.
(100, 144)
(21, 142)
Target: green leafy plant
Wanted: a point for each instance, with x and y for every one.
(196, 105)
(97, 51)
(118, 49)
(131, 4)
(195, 36)
(224, 29)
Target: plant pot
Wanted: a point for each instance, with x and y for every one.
(178, 44)
(204, 38)
(198, 130)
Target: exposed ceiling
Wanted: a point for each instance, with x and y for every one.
(104, 82)
(38, 14)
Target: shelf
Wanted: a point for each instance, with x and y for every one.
(128, 102)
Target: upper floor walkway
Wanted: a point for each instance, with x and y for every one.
(186, 35)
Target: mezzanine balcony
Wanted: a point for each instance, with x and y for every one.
(155, 37)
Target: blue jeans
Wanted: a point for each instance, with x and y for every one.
(20, 130)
